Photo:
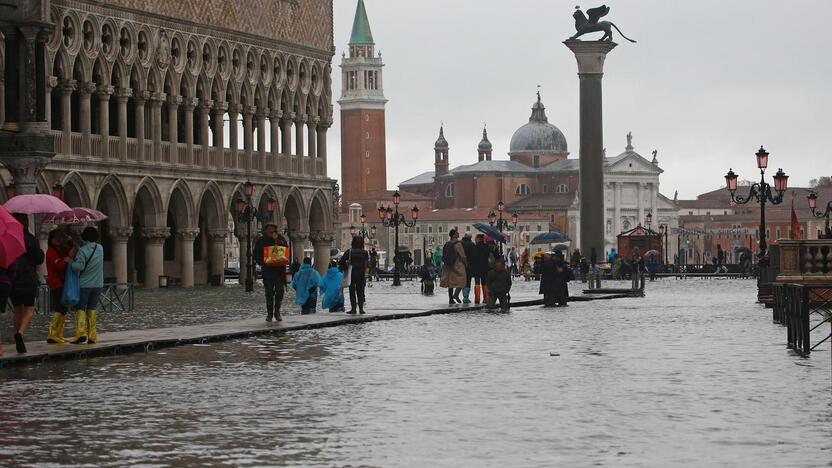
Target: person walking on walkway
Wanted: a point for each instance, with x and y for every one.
(554, 280)
(89, 263)
(25, 285)
(331, 288)
(454, 264)
(437, 259)
(355, 261)
(6, 280)
(478, 262)
(720, 258)
(58, 256)
(273, 268)
(498, 283)
(306, 283)
(468, 246)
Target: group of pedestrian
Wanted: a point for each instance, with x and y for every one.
(464, 262)
(555, 275)
(66, 255)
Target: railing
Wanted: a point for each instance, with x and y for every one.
(115, 297)
(114, 147)
(181, 153)
(132, 149)
(96, 146)
(796, 306)
(165, 150)
(805, 260)
(320, 167)
(75, 144)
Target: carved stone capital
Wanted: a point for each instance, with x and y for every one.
(188, 235)
(123, 94)
(218, 235)
(52, 82)
(68, 86)
(205, 105)
(290, 115)
(104, 92)
(220, 106)
(155, 235)
(321, 238)
(249, 110)
(189, 103)
(325, 123)
(301, 118)
(234, 109)
(141, 96)
(298, 236)
(276, 114)
(156, 99)
(174, 100)
(86, 88)
(121, 234)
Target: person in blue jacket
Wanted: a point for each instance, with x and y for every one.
(306, 283)
(89, 263)
(333, 298)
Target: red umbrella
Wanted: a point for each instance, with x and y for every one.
(36, 204)
(78, 215)
(11, 239)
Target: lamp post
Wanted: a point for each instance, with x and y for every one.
(813, 204)
(496, 219)
(648, 220)
(371, 234)
(391, 217)
(246, 213)
(760, 192)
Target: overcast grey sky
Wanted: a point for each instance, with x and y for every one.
(708, 82)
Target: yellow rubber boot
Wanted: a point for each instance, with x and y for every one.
(80, 327)
(92, 334)
(56, 328)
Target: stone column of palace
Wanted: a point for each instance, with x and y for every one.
(122, 96)
(85, 92)
(173, 126)
(205, 106)
(248, 136)
(186, 239)
(274, 122)
(286, 133)
(300, 124)
(154, 254)
(233, 140)
(217, 238)
(240, 234)
(188, 106)
(260, 160)
(298, 244)
(219, 131)
(654, 202)
(640, 193)
(67, 88)
(323, 126)
(590, 56)
(104, 93)
(312, 133)
(51, 84)
(139, 99)
(322, 244)
(156, 125)
(119, 237)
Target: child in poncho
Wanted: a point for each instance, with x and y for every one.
(333, 293)
(305, 283)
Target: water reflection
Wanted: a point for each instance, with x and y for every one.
(657, 382)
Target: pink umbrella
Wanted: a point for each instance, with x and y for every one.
(78, 215)
(11, 239)
(36, 204)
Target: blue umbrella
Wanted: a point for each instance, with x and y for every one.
(549, 238)
(491, 232)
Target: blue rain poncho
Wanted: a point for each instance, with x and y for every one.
(331, 288)
(305, 279)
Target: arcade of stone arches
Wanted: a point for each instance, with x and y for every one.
(182, 229)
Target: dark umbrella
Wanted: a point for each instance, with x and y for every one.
(490, 231)
(549, 237)
(560, 247)
(742, 249)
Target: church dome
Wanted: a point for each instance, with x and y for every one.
(538, 136)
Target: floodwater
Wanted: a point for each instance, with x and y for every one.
(693, 375)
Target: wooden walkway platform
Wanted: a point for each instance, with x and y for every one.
(682, 275)
(115, 343)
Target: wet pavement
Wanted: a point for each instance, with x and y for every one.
(695, 374)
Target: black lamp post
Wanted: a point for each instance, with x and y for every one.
(391, 217)
(363, 232)
(246, 213)
(648, 221)
(495, 219)
(760, 192)
(813, 204)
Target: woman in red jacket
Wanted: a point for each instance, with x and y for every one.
(58, 256)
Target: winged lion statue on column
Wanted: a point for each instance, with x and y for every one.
(584, 25)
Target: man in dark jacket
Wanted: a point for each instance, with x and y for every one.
(24, 289)
(274, 277)
(498, 283)
(479, 268)
(468, 246)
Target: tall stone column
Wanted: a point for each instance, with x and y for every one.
(123, 96)
(312, 132)
(323, 126)
(188, 106)
(298, 244)
(119, 237)
(217, 253)
(51, 84)
(286, 133)
(233, 140)
(243, 254)
(248, 136)
(104, 92)
(139, 100)
(274, 122)
(205, 106)
(300, 123)
(186, 239)
(67, 88)
(219, 131)
(173, 127)
(84, 113)
(322, 244)
(654, 201)
(154, 254)
(261, 141)
(156, 123)
(590, 56)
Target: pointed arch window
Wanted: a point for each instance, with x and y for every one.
(449, 190)
(523, 189)
(562, 188)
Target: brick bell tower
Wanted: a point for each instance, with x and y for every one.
(363, 141)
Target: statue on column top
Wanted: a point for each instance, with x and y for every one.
(584, 25)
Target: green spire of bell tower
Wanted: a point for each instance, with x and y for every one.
(361, 26)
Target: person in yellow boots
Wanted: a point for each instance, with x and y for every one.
(58, 257)
(89, 263)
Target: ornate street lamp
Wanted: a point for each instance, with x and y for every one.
(500, 223)
(363, 232)
(246, 213)
(760, 192)
(813, 204)
(391, 217)
(648, 220)
(58, 190)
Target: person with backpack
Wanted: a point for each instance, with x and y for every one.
(59, 255)
(454, 264)
(24, 289)
(468, 246)
(357, 259)
(89, 263)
